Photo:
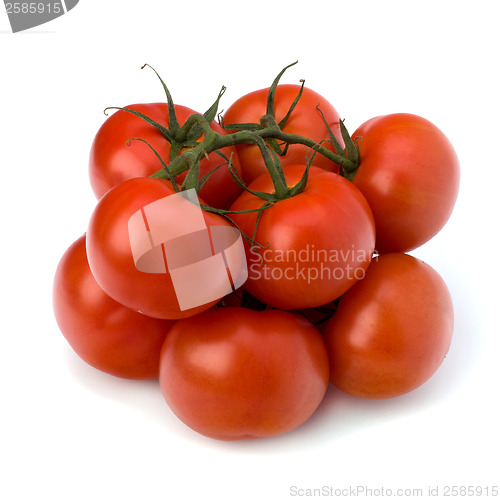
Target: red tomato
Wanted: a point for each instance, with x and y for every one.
(111, 257)
(305, 120)
(316, 244)
(104, 333)
(235, 373)
(112, 161)
(391, 330)
(409, 173)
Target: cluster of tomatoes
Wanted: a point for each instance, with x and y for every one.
(332, 294)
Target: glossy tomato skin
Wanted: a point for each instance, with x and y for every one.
(112, 161)
(316, 244)
(110, 255)
(104, 333)
(305, 120)
(392, 330)
(409, 173)
(236, 373)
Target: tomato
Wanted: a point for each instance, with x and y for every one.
(315, 244)
(104, 333)
(111, 257)
(409, 173)
(391, 330)
(235, 373)
(112, 161)
(305, 120)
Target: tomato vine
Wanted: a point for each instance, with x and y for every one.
(195, 140)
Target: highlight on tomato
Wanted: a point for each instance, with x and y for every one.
(235, 373)
(392, 330)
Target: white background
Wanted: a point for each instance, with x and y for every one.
(69, 431)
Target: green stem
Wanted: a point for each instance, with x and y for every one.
(188, 149)
(213, 141)
(272, 130)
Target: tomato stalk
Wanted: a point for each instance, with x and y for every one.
(349, 159)
(213, 141)
(196, 140)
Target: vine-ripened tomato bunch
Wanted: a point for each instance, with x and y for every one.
(326, 222)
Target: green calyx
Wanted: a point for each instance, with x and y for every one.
(195, 139)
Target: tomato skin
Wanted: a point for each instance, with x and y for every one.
(235, 373)
(305, 120)
(110, 255)
(316, 243)
(391, 330)
(104, 333)
(112, 161)
(410, 174)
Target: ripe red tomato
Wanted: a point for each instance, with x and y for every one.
(316, 244)
(235, 373)
(110, 254)
(409, 173)
(104, 333)
(305, 120)
(391, 330)
(112, 161)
